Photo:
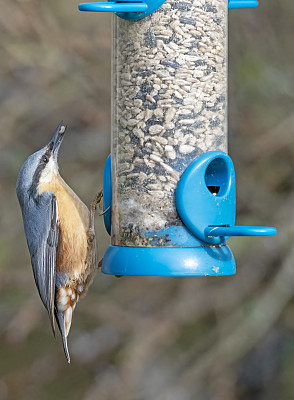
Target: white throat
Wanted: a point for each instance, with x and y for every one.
(49, 172)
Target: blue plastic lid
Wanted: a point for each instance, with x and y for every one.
(169, 261)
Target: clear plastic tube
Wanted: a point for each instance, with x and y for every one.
(169, 107)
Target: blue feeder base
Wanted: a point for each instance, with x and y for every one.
(169, 261)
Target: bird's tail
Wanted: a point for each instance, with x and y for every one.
(63, 319)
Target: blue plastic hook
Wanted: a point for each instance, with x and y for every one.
(134, 10)
(243, 3)
(223, 231)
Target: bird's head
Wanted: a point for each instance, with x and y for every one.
(41, 166)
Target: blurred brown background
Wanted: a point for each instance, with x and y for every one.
(148, 338)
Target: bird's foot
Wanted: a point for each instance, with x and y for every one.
(94, 205)
(97, 200)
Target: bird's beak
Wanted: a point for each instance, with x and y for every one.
(57, 138)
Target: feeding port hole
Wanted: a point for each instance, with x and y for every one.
(217, 177)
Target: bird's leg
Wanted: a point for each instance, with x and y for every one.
(95, 203)
(93, 208)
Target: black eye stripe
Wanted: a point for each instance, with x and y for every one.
(46, 156)
(41, 166)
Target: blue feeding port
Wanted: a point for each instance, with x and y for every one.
(134, 10)
(205, 200)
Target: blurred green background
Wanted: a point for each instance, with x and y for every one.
(225, 338)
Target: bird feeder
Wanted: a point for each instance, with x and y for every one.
(169, 183)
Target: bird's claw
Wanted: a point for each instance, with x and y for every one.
(97, 200)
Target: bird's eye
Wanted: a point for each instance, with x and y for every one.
(45, 159)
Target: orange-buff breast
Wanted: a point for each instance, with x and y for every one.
(73, 216)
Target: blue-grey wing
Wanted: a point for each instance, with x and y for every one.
(42, 232)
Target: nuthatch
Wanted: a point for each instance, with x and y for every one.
(60, 234)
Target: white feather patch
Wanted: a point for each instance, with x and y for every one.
(62, 299)
(67, 320)
(80, 288)
(49, 172)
